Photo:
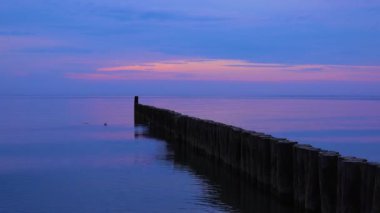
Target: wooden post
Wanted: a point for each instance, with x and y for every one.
(368, 175)
(376, 192)
(299, 172)
(263, 169)
(284, 173)
(136, 114)
(136, 100)
(274, 153)
(349, 183)
(328, 177)
(312, 197)
(254, 155)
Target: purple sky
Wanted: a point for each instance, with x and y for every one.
(199, 47)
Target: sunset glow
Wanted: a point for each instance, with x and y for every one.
(232, 70)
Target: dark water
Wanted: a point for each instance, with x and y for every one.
(57, 156)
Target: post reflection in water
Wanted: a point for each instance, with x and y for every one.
(223, 185)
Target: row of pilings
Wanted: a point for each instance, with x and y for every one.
(313, 179)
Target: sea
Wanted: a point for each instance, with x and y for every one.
(85, 155)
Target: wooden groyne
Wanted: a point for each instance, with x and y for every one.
(311, 178)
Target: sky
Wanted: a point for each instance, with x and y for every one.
(198, 47)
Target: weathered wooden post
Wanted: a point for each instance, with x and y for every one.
(312, 197)
(299, 173)
(368, 175)
(245, 153)
(254, 155)
(264, 160)
(284, 173)
(328, 177)
(224, 141)
(273, 149)
(349, 183)
(136, 100)
(136, 114)
(235, 135)
(376, 192)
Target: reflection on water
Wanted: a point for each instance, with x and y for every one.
(226, 185)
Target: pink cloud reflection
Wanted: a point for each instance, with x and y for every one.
(236, 70)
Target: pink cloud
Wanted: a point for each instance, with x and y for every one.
(235, 70)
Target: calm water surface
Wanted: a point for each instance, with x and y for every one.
(57, 156)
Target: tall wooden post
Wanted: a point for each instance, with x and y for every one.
(136, 100)
(136, 112)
